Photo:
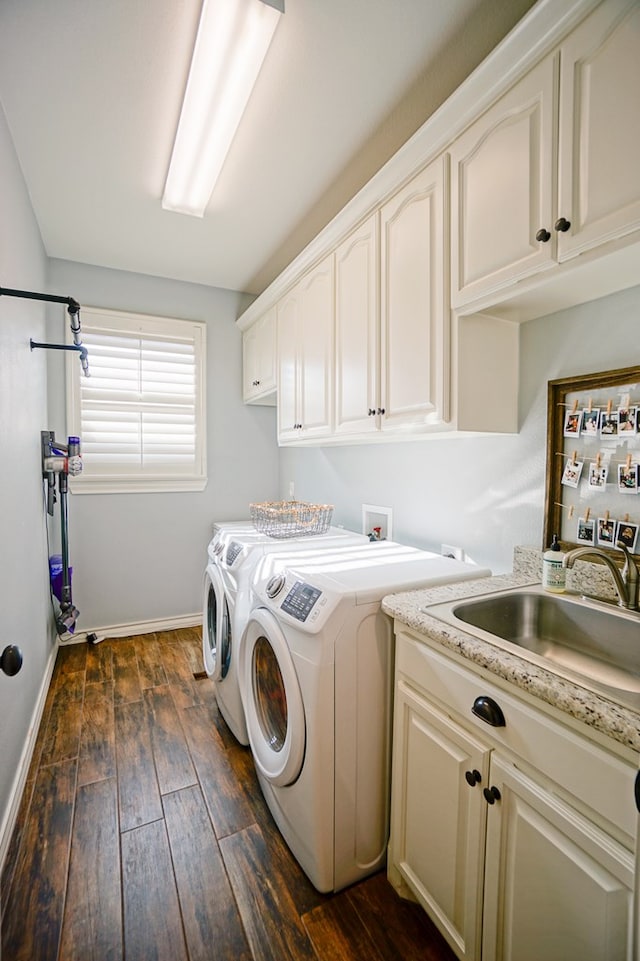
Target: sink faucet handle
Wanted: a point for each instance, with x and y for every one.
(629, 574)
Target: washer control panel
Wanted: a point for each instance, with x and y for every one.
(300, 600)
(233, 550)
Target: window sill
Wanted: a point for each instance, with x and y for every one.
(136, 485)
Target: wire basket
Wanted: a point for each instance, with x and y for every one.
(291, 518)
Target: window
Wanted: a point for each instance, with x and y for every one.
(140, 415)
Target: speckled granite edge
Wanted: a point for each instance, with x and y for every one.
(613, 720)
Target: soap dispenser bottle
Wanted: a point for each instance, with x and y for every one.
(554, 575)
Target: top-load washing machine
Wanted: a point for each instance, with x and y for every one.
(316, 674)
(233, 553)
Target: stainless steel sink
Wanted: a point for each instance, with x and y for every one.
(597, 646)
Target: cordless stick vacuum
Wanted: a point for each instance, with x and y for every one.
(63, 460)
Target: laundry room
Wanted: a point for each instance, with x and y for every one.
(361, 323)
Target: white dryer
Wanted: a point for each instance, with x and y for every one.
(316, 673)
(233, 554)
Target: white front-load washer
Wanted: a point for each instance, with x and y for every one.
(233, 554)
(316, 674)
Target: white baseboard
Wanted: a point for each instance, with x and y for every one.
(19, 781)
(128, 630)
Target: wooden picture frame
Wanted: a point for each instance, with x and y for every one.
(562, 396)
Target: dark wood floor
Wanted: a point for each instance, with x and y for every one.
(143, 834)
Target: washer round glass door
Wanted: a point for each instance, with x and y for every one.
(216, 626)
(273, 703)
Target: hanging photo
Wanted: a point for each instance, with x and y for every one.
(572, 421)
(586, 531)
(628, 534)
(591, 421)
(606, 531)
(572, 472)
(609, 424)
(627, 420)
(628, 479)
(598, 476)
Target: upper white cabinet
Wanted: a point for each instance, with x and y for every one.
(414, 318)
(599, 171)
(357, 334)
(572, 120)
(259, 360)
(391, 320)
(501, 189)
(305, 356)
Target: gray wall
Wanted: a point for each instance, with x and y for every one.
(140, 557)
(23, 553)
(485, 494)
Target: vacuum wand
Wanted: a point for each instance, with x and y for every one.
(62, 460)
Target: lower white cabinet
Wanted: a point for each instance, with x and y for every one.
(518, 840)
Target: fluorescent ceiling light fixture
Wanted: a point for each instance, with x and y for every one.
(231, 44)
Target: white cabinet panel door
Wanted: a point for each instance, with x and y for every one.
(288, 366)
(501, 189)
(556, 887)
(599, 179)
(438, 817)
(357, 340)
(413, 324)
(316, 349)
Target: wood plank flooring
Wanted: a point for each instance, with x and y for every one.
(143, 835)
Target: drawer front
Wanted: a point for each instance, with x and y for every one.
(602, 781)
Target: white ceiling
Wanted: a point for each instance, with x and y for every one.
(92, 91)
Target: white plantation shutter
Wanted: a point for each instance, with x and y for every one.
(140, 413)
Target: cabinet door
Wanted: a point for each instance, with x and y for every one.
(414, 321)
(259, 358)
(599, 176)
(288, 367)
(438, 818)
(356, 332)
(501, 190)
(556, 886)
(316, 349)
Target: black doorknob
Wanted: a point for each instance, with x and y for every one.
(543, 235)
(473, 777)
(11, 660)
(381, 410)
(562, 225)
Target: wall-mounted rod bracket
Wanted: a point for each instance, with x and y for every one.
(77, 347)
(73, 309)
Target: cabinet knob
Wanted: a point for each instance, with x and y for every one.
(372, 411)
(380, 410)
(543, 235)
(562, 225)
(491, 795)
(256, 383)
(488, 710)
(473, 777)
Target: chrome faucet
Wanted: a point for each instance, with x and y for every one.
(626, 581)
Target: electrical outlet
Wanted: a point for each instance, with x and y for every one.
(448, 551)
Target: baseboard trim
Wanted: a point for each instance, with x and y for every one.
(20, 779)
(139, 627)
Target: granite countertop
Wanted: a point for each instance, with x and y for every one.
(613, 720)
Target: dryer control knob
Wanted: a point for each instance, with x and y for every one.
(275, 585)
(218, 549)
